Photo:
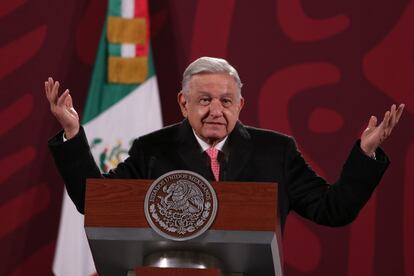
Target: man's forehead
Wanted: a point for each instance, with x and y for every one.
(202, 93)
(213, 79)
(213, 84)
(209, 76)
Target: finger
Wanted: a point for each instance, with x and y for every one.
(50, 82)
(385, 120)
(55, 91)
(392, 116)
(388, 124)
(69, 105)
(47, 91)
(399, 112)
(372, 122)
(73, 112)
(387, 131)
(62, 99)
(382, 127)
(56, 86)
(68, 101)
(393, 108)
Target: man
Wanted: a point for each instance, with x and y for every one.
(210, 102)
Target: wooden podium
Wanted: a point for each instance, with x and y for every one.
(245, 235)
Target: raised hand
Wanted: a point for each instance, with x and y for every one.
(62, 108)
(374, 135)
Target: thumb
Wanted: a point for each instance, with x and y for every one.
(73, 112)
(68, 101)
(69, 105)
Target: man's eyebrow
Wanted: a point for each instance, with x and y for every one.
(202, 94)
(205, 93)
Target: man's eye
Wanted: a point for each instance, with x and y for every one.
(204, 101)
(226, 102)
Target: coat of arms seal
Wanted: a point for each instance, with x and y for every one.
(180, 205)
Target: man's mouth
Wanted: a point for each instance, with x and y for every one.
(214, 123)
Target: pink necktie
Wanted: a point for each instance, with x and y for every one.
(215, 165)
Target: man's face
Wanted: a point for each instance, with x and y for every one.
(212, 105)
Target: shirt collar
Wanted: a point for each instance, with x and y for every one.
(204, 146)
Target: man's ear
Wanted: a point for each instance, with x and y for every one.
(182, 102)
(241, 104)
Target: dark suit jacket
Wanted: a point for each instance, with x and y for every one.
(251, 154)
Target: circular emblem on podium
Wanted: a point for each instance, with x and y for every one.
(180, 205)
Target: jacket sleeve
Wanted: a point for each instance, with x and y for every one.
(334, 204)
(75, 164)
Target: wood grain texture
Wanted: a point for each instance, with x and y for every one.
(242, 206)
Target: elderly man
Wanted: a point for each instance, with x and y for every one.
(210, 102)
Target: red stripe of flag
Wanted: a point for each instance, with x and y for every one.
(141, 10)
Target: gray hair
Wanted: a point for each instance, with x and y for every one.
(209, 65)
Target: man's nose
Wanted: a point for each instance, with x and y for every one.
(216, 108)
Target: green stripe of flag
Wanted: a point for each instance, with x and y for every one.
(114, 49)
(114, 7)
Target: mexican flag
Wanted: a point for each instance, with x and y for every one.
(122, 104)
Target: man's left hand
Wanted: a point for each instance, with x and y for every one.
(374, 135)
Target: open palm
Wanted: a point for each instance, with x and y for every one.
(374, 135)
(62, 108)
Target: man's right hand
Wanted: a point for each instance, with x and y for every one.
(62, 108)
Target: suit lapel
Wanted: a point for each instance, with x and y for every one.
(190, 153)
(240, 149)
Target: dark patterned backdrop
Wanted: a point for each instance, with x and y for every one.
(313, 69)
